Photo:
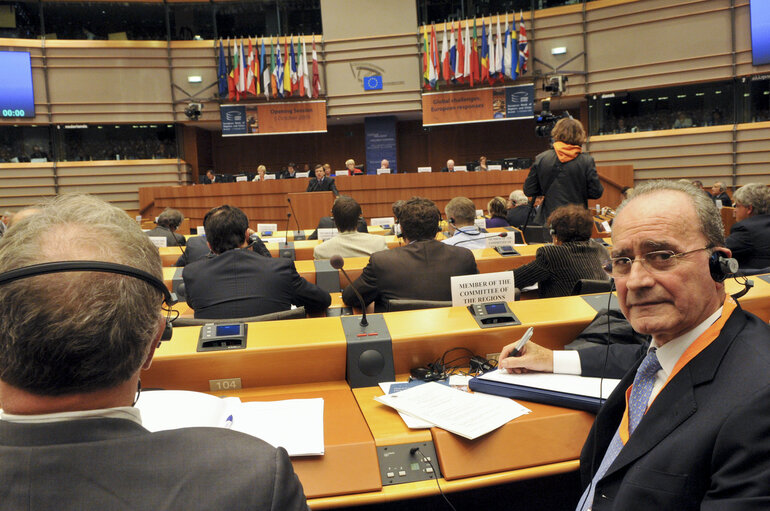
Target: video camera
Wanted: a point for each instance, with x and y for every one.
(546, 120)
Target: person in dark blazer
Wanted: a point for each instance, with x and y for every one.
(572, 257)
(696, 432)
(168, 222)
(198, 248)
(70, 437)
(421, 270)
(290, 172)
(564, 174)
(322, 183)
(209, 178)
(719, 193)
(238, 283)
(518, 210)
(749, 237)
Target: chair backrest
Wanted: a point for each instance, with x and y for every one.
(408, 305)
(589, 286)
(297, 313)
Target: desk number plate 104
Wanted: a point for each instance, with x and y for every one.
(225, 384)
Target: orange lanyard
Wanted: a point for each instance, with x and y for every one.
(696, 347)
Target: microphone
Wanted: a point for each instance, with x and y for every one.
(497, 235)
(337, 263)
(297, 235)
(288, 218)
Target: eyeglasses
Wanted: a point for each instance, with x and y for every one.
(657, 261)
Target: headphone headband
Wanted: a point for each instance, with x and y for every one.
(95, 266)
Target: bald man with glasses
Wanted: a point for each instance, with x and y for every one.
(688, 427)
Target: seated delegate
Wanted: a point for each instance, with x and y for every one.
(348, 243)
(421, 270)
(497, 212)
(461, 215)
(570, 258)
(168, 222)
(749, 237)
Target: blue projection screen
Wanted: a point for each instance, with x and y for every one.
(17, 97)
(760, 32)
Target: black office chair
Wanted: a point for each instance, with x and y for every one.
(297, 313)
(589, 286)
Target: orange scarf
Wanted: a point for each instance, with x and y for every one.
(700, 344)
(566, 152)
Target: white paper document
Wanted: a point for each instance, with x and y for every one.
(568, 383)
(411, 422)
(294, 424)
(462, 413)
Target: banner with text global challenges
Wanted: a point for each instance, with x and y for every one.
(273, 118)
(478, 105)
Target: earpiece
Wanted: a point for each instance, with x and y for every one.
(722, 267)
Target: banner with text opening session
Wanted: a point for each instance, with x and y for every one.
(273, 118)
(478, 105)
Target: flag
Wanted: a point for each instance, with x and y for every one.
(244, 69)
(433, 58)
(301, 67)
(452, 55)
(222, 71)
(234, 71)
(499, 53)
(474, 56)
(294, 75)
(286, 70)
(467, 54)
(316, 76)
(425, 59)
(278, 69)
(511, 49)
(514, 50)
(484, 52)
(251, 83)
(459, 74)
(265, 71)
(445, 57)
(308, 88)
(523, 46)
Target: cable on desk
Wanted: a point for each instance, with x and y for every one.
(417, 450)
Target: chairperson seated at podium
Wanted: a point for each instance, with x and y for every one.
(322, 182)
(572, 256)
(349, 242)
(421, 270)
(238, 283)
(72, 348)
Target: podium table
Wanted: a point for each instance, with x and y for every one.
(309, 207)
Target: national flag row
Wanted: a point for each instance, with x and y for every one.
(465, 59)
(273, 71)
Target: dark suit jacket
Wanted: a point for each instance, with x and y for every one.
(574, 184)
(726, 202)
(704, 443)
(117, 464)
(325, 185)
(557, 268)
(327, 222)
(197, 248)
(172, 239)
(239, 283)
(517, 216)
(749, 241)
(418, 271)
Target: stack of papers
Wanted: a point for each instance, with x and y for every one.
(464, 414)
(294, 424)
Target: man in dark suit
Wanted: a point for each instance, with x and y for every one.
(209, 178)
(421, 270)
(198, 248)
(290, 172)
(749, 237)
(719, 193)
(450, 166)
(70, 437)
(168, 222)
(238, 283)
(696, 431)
(322, 183)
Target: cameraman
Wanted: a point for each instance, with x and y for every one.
(564, 174)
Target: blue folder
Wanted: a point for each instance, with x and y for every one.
(548, 397)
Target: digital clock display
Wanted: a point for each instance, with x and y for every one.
(17, 96)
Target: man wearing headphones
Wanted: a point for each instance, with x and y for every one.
(421, 270)
(695, 433)
(168, 222)
(72, 347)
(238, 283)
(461, 214)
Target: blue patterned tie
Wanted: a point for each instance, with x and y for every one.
(637, 405)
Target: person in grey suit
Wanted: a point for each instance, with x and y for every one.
(572, 256)
(238, 283)
(421, 270)
(168, 222)
(696, 431)
(72, 348)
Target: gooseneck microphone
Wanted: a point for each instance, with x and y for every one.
(337, 263)
(296, 221)
(288, 221)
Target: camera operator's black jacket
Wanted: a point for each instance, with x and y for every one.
(572, 182)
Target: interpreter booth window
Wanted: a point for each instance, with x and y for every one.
(242, 19)
(300, 17)
(20, 20)
(191, 21)
(81, 142)
(438, 11)
(25, 144)
(683, 106)
(755, 99)
(105, 20)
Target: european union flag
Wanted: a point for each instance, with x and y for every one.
(373, 83)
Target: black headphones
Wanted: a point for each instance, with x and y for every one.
(169, 298)
(722, 267)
